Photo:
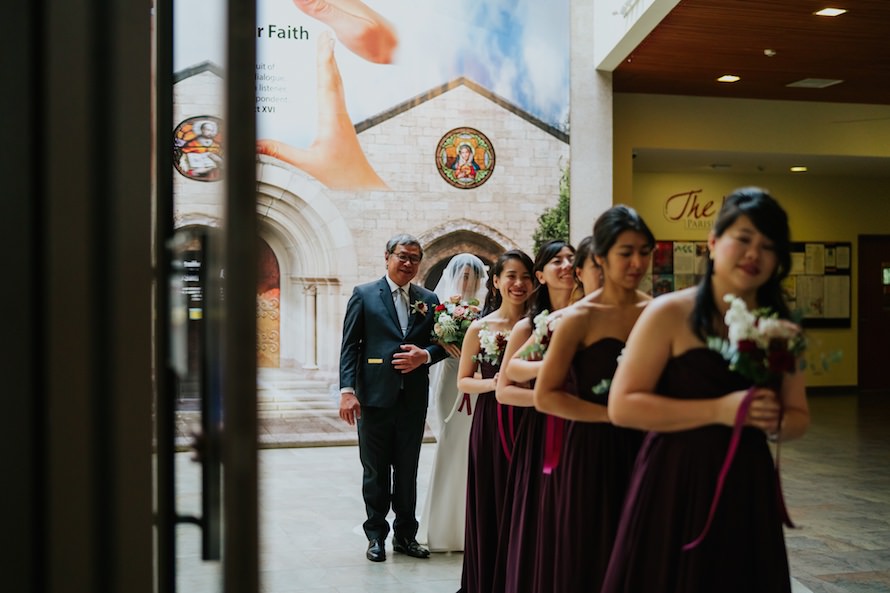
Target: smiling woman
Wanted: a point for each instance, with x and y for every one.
(702, 414)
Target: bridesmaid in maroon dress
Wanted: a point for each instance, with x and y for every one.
(591, 479)
(670, 383)
(509, 288)
(588, 279)
(516, 557)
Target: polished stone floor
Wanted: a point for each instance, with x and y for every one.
(837, 485)
(836, 481)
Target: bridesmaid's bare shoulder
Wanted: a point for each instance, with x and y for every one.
(669, 313)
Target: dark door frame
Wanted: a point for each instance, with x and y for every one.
(873, 331)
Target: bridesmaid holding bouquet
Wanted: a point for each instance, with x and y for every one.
(509, 288)
(589, 484)
(704, 510)
(517, 543)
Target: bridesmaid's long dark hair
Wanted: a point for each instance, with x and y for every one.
(540, 299)
(771, 220)
(493, 298)
(585, 251)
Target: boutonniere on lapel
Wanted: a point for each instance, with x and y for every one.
(418, 307)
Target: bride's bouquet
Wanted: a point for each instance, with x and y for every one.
(453, 319)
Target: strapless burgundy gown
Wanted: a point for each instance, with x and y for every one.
(670, 496)
(588, 486)
(515, 563)
(486, 488)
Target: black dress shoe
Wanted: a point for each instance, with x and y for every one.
(409, 547)
(376, 550)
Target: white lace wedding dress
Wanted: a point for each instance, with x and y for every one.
(444, 513)
(443, 518)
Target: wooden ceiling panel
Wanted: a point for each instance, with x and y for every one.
(701, 40)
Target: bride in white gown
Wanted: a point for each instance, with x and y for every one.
(442, 521)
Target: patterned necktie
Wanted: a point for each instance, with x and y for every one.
(402, 308)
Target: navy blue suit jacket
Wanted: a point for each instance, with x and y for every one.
(371, 335)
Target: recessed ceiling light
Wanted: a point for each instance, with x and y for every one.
(830, 12)
(799, 169)
(729, 78)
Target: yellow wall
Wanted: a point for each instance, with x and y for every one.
(819, 208)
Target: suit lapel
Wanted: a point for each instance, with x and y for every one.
(387, 300)
(412, 296)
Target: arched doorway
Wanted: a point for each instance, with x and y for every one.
(462, 237)
(268, 307)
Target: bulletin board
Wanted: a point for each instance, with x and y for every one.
(675, 265)
(818, 285)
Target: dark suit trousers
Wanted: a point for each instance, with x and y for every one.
(389, 442)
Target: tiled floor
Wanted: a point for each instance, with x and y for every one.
(837, 484)
(836, 480)
(311, 536)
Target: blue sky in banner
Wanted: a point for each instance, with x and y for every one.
(518, 49)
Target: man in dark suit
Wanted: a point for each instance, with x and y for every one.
(384, 387)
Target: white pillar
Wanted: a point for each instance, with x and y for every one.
(591, 126)
(311, 292)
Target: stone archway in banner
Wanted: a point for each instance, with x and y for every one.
(459, 236)
(313, 249)
(268, 307)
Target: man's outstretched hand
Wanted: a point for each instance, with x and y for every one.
(335, 158)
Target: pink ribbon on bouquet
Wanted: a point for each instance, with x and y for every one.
(553, 433)
(780, 498)
(741, 413)
(508, 449)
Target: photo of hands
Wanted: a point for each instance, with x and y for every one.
(323, 66)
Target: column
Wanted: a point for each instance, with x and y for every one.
(590, 98)
(311, 327)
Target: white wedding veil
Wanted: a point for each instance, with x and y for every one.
(464, 275)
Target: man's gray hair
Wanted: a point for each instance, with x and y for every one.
(403, 239)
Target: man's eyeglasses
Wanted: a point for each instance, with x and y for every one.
(405, 258)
